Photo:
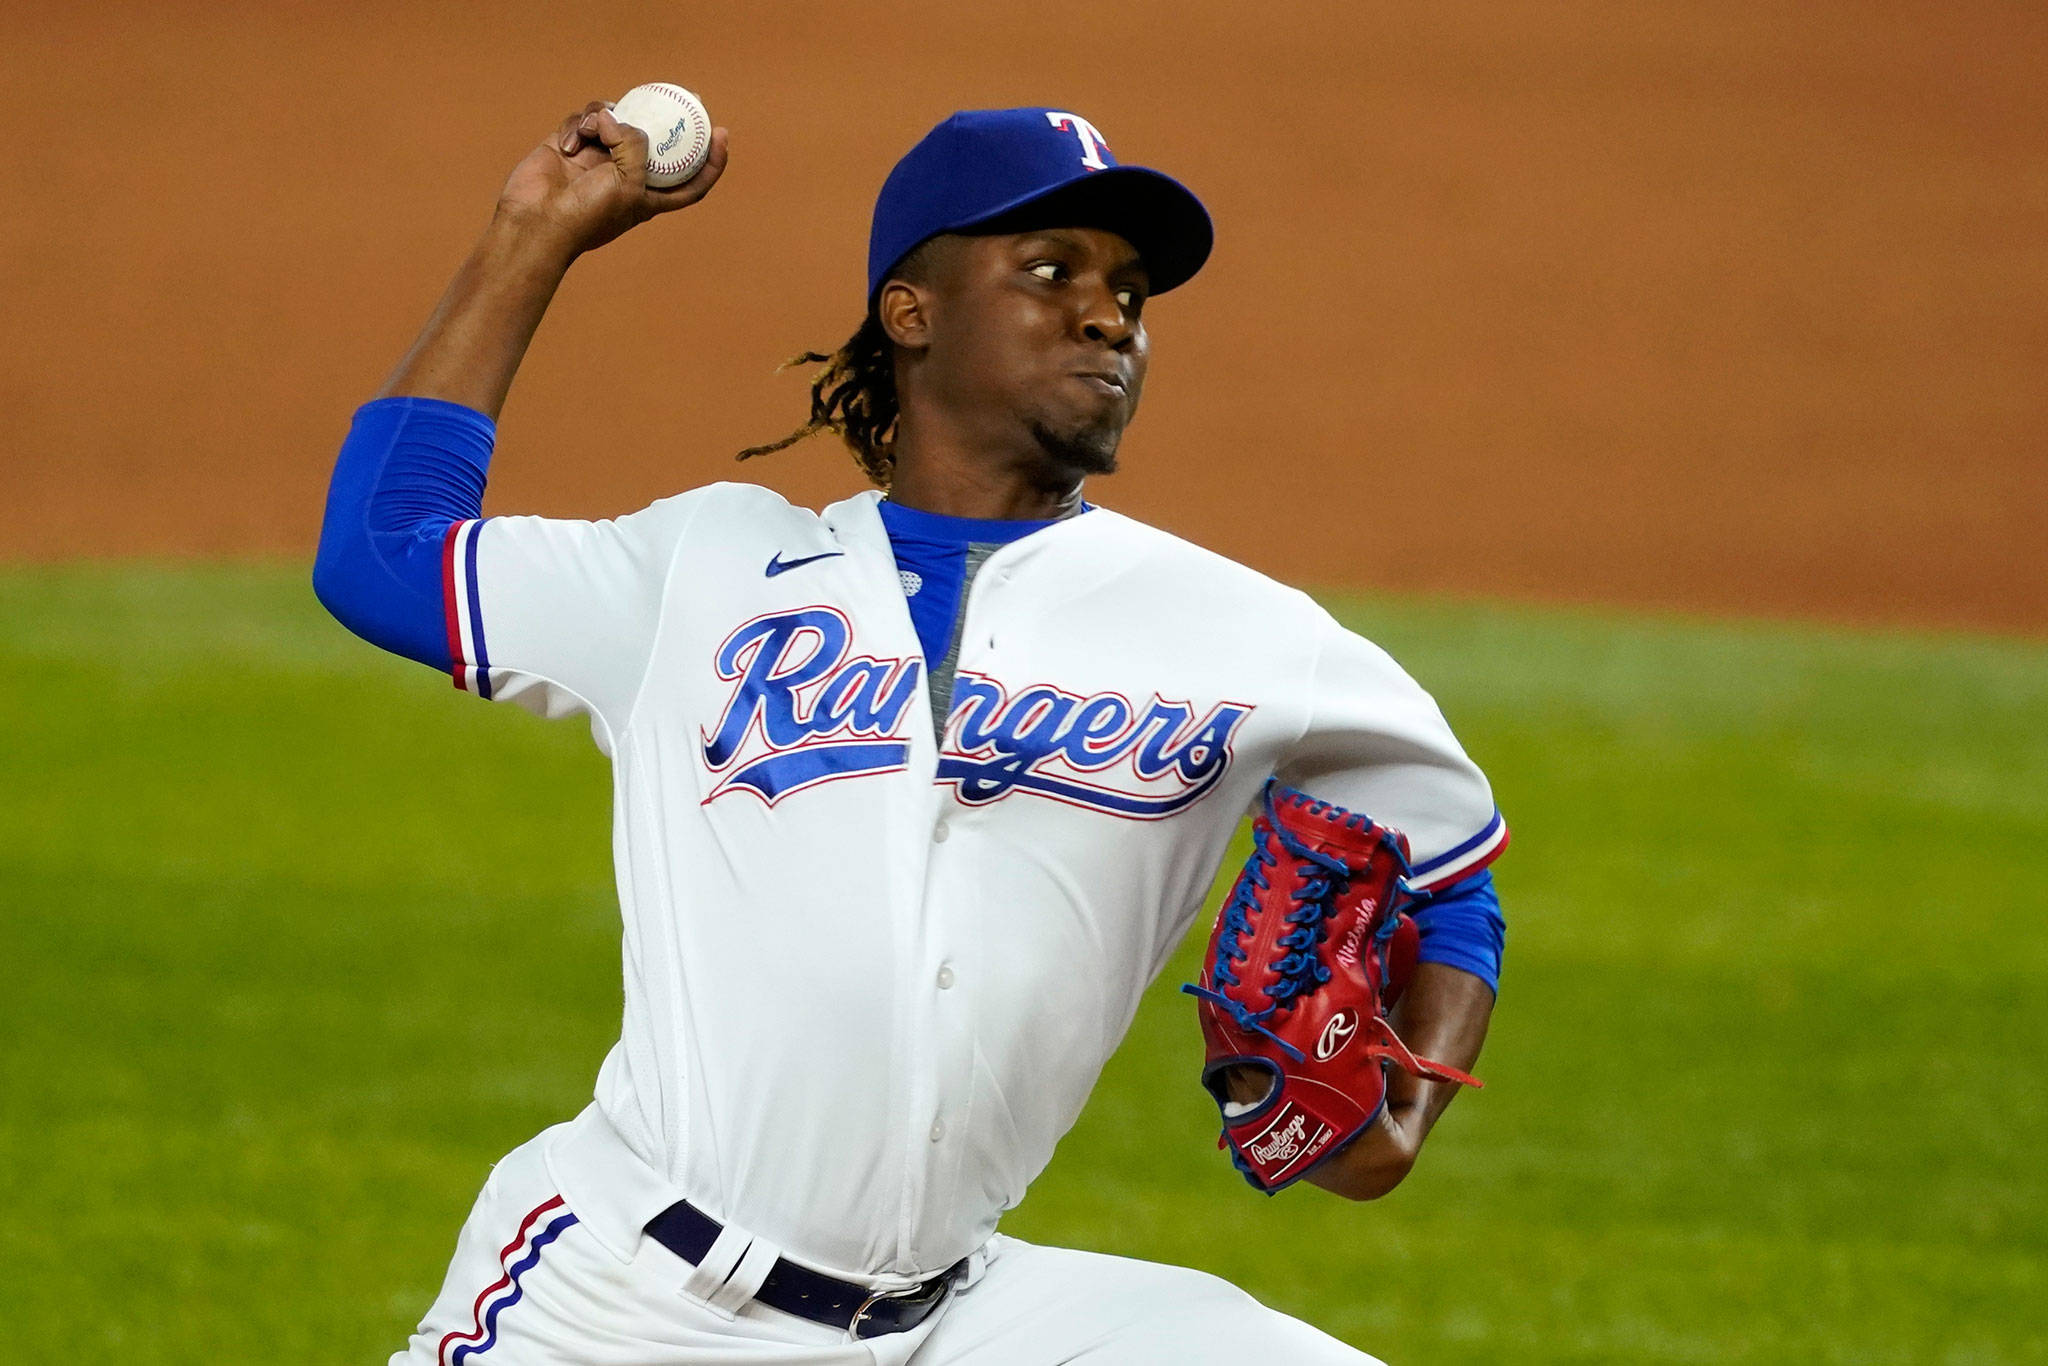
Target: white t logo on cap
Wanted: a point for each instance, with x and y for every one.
(1091, 138)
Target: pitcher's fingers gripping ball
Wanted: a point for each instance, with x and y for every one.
(1309, 953)
(678, 131)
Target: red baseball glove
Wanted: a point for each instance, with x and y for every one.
(1309, 953)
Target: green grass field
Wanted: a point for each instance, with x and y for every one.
(296, 941)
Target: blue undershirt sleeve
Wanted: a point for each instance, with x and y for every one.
(1462, 927)
(410, 469)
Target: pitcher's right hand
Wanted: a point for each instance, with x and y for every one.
(588, 183)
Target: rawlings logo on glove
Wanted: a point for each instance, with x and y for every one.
(1309, 953)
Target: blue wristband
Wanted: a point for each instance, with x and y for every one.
(1462, 927)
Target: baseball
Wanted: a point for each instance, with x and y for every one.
(677, 127)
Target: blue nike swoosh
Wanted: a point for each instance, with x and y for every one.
(777, 565)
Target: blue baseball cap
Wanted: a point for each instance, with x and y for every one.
(999, 170)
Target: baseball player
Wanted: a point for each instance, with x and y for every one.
(915, 795)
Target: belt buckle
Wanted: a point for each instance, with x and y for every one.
(918, 1297)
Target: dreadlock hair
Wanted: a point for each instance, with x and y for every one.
(855, 396)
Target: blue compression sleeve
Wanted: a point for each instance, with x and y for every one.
(1462, 927)
(410, 469)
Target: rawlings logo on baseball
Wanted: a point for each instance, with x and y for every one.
(677, 127)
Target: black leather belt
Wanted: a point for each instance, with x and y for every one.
(689, 1232)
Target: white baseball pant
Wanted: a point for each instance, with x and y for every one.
(530, 1287)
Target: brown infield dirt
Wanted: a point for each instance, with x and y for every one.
(1738, 308)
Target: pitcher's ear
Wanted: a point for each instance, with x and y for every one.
(903, 309)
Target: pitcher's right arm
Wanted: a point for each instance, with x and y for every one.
(399, 545)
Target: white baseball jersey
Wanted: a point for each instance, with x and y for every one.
(872, 972)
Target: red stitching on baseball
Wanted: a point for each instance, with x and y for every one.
(700, 141)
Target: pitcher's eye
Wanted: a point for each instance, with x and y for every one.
(1128, 298)
(1048, 270)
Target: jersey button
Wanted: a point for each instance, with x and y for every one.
(938, 1130)
(940, 832)
(945, 979)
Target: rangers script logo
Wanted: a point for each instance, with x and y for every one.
(806, 709)
(1137, 760)
(801, 711)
